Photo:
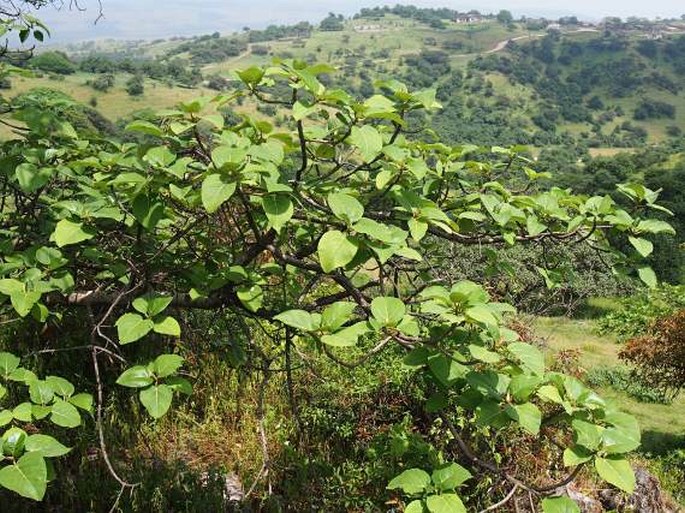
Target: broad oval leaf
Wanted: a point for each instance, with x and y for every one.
(132, 327)
(216, 189)
(616, 471)
(411, 482)
(335, 250)
(156, 400)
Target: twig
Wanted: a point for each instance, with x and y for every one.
(502, 502)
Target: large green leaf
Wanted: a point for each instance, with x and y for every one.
(41, 392)
(388, 311)
(65, 414)
(587, 434)
(411, 482)
(67, 233)
(28, 477)
(643, 246)
(337, 314)
(527, 415)
(156, 399)
(8, 363)
(445, 503)
(368, 140)
(132, 327)
(559, 505)
(60, 386)
(335, 250)
(648, 276)
(23, 301)
(531, 357)
(623, 435)
(345, 207)
(449, 476)
(46, 445)
(136, 377)
(299, 319)
(278, 209)
(251, 296)
(616, 471)
(31, 177)
(216, 189)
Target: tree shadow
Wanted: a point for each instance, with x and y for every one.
(658, 443)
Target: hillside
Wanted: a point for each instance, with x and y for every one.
(535, 82)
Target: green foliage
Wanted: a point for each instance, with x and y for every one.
(320, 238)
(50, 401)
(622, 379)
(53, 62)
(639, 311)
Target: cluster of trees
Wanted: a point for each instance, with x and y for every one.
(169, 68)
(210, 48)
(302, 29)
(653, 109)
(433, 17)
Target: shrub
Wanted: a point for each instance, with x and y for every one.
(624, 379)
(135, 86)
(659, 356)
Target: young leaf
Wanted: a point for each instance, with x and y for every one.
(157, 400)
(82, 401)
(445, 503)
(152, 304)
(166, 365)
(450, 475)
(167, 325)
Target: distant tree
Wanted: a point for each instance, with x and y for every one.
(103, 82)
(53, 62)
(135, 85)
(332, 23)
(505, 17)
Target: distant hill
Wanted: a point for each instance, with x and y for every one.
(535, 81)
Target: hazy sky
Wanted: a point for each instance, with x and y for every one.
(146, 19)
